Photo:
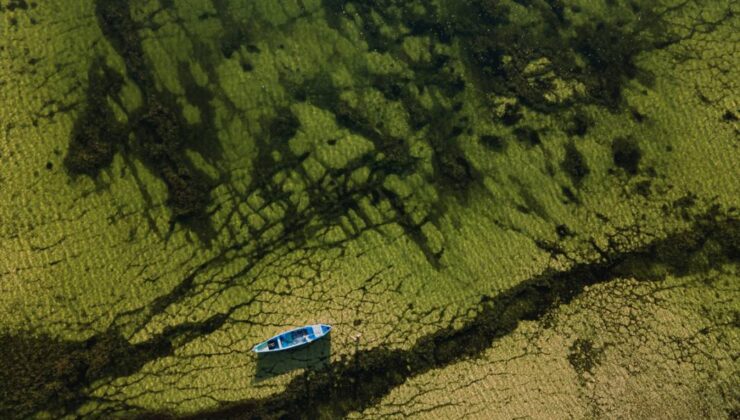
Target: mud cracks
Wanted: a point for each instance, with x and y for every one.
(41, 373)
(353, 385)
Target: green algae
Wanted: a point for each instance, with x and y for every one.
(383, 162)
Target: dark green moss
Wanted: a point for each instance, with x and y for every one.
(609, 52)
(574, 164)
(638, 116)
(391, 87)
(570, 196)
(455, 169)
(96, 133)
(512, 114)
(495, 143)
(599, 54)
(527, 136)
(729, 116)
(284, 126)
(161, 135)
(119, 28)
(643, 188)
(579, 125)
(583, 356)
(42, 373)
(35, 372)
(626, 154)
(160, 132)
(563, 231)
(273, 151)
(16, 4)
(233, 39)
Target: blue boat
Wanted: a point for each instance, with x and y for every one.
(293, 338)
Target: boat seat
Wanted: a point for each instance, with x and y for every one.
(272, 344)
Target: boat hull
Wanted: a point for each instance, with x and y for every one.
(292, 339)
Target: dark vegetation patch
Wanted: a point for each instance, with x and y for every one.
(44, 373)
(160, 133)
(583, 356)
(246, 66)
(512, 114)
(492, 142)
(682, 206)
(578, 125)
(332, 197)
(626, 154)
(574, 164)
(563, 231)
(643, 188)
(527, 136)
(638, 116)
(454, 175)
(422, 18)
(16, 5)
(40, 373)
(456, 170)
(599, 54)
(610, 52)
(234, 38)
(19, 6)
(273, 150)
(160, 136)
(96, 135)
(570, 196)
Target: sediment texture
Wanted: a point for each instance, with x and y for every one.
(504, 208)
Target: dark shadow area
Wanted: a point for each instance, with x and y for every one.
(313, 356)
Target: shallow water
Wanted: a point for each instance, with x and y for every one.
(503, 208)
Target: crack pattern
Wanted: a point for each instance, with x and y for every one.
(231, 163)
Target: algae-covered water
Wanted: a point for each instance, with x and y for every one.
(505, 208)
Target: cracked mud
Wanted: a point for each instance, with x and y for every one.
(504, 208)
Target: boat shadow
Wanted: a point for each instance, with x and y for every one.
(313, 356)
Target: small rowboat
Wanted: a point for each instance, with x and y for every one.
(293, 338)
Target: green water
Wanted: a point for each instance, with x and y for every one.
(503, 208)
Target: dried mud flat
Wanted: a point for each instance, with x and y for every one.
(506, 209)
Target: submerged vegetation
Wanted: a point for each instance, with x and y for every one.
(430, 176)
(155, 132)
